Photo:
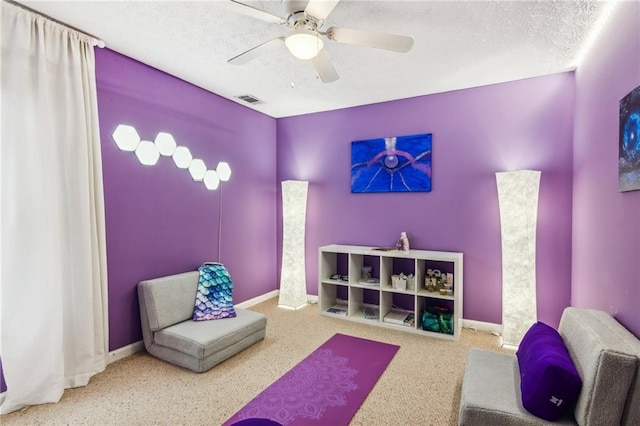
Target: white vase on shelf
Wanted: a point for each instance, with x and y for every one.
(403, 242)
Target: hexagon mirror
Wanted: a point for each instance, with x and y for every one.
(166, 144)
(224, 171)
(211, 180)
(126, 137)
(147, 153)
(182, 157)
(197, 169)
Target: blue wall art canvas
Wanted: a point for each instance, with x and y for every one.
(395, 164)
(629, 158)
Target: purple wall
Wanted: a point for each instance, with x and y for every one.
(476, 132)
(606, 223)
(158, 220)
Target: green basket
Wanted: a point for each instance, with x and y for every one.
(437, 319)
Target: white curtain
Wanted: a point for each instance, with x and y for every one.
(53, 281)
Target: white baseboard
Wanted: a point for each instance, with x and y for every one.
(125, 351)
(508, 347)
(259, 299)
(483, 326)
(312, 299)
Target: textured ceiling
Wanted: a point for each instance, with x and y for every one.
(458, 44)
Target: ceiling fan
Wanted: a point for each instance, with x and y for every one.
(304, 41)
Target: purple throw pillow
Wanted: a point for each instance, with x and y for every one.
(549, 381)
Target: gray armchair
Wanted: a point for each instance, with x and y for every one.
(169, 333)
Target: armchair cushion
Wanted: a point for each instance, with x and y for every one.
(202, 339)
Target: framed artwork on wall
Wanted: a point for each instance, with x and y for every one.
(394, 164)
(629, 143)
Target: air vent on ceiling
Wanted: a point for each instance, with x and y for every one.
(250, 99)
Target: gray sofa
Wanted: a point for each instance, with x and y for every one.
(606, 355)
(169, 333)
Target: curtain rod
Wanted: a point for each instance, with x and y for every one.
(97, 41)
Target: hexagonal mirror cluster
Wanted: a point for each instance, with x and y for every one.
(148, 153)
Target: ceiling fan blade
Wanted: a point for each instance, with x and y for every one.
(320, 9)
(324, 67)
(259, 50)
(393, 42)
(245, 9)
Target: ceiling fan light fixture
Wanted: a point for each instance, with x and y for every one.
(303, 44)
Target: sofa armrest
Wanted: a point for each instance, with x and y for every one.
(606, 364)
(631, 415)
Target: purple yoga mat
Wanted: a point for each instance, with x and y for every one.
(325, 388)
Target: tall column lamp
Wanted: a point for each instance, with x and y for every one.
(293, 285)
(518, 200)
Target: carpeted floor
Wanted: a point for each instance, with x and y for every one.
(421, 386)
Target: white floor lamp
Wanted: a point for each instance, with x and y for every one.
(293, 285)
(518, 200)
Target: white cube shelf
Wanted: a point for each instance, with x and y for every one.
(350, 296)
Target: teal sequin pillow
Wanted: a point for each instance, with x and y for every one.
(214, 298)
